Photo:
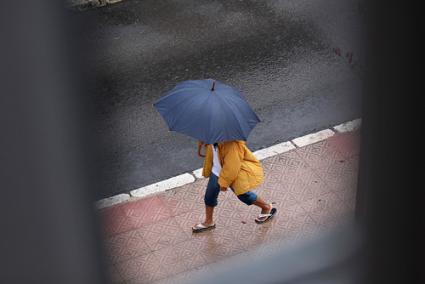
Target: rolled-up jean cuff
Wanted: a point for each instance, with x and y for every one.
(248, 197)
(210, 204)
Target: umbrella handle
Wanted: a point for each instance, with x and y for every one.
(200, 144)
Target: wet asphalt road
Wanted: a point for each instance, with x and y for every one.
(281, 54)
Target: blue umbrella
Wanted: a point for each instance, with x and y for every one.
(207, 110)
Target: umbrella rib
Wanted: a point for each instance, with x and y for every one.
(177, 105)
(253, 112)
(243, 100)
(233, 114)
(210, 121)
(179, 116)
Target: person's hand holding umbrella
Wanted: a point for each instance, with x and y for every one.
(200, 145)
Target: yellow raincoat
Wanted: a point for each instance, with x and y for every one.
(240, 169)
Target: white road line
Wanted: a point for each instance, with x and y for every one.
(274, 150)
(164, 185)
(116, 199)
(198, 173)
(349, 126)
(313, 138)
(262, 154)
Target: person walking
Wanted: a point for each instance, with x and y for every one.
(220, 118)
(231, 165)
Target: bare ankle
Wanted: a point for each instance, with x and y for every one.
(266, 208)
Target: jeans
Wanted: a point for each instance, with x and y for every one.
(213, 189)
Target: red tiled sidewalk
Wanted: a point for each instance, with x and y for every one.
(313, 188)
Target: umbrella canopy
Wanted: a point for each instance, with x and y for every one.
(207, 110)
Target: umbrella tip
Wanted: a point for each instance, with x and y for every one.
(212, 89)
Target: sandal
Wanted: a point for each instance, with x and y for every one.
(202, 228)
(262, 218)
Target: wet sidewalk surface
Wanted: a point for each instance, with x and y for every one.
(313, 188)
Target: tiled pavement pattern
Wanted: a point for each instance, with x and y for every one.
(150, 239)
